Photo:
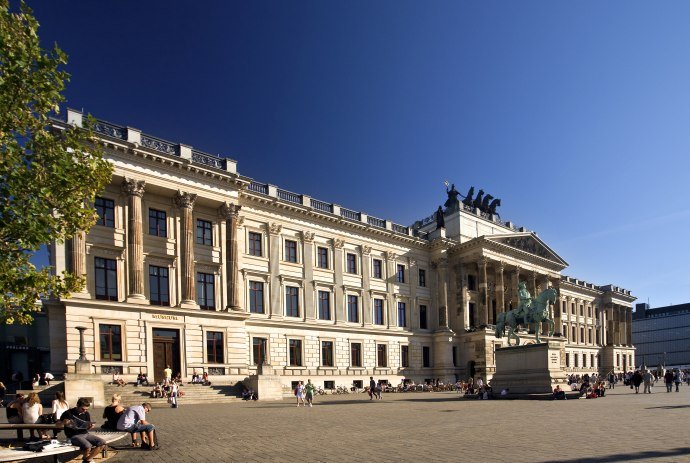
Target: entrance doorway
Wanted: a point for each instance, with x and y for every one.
(166, 351)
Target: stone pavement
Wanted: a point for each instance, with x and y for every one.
(424, 427)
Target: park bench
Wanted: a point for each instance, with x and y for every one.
(19, 454)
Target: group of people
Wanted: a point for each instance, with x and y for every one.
(132, 420)
(305, 392)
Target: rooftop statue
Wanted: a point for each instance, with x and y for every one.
(440, 220)
(468, 198)
(452, 202)
(478, 200)
(485, 203)
(492, 207)
(529, 311)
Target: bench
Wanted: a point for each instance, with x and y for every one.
(19, 454)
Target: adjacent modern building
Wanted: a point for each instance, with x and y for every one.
(193, 265)
(662, 335)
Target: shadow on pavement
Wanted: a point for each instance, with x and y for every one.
(629, 456)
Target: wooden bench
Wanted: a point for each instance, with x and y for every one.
(19, 454)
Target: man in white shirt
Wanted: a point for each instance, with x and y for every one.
(133, 420)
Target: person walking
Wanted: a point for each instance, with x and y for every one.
(168, 374)
(648, 378)
(372, 388)
(174, 394)
(299, 393)
(668, 379)
(309, 390)
(637, 380)
(676, 378)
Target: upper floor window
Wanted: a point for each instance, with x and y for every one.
(291, 301)
(110, 337)
(400, 277)
(352, 309)
(351, 263)
(471, 283)
(402, 315)
(106, 279)
(422, 277)
(159, 285)
(324, 305)
(322, 257)
(255, 244)
(204, 232)
(378, 311)
(157, 223)
(291, 251)
(378, 268)
(205, 291)
(214, 347)
(422, 317)
(256, 297)
(105, 208)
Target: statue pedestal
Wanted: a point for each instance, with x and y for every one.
(84, 383)
(529, 369)
(266, 384)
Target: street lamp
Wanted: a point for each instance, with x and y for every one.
(82, 349)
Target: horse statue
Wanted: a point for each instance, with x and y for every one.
(494, 204)
(468, 199)
(485, 203)
(478, 200)
(537, 313)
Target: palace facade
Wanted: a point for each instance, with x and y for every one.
(195, 266)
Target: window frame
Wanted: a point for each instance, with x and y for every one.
(404, 356)
(383, 311)
(215, 348)
(356, 357)
(259, 345)
(353, 308)
(320, 302)
(331, 362)
(402, 312)
(422, 278)
(351, 263)
(381, 360)
(426, 357)
(377, 269)
(293, 299)
(290, 251)
(204, 282)
(157, 224)
(322, 258)
(204, 232)
(110, 344)
(158, 278)
(255, 246)
(253, 299)
(400, 273)
(105, 211)
(295, 347)
(108, 275)
(423, 310)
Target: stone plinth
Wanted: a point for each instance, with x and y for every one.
(529, 369)
(84, 385)
(266, 384)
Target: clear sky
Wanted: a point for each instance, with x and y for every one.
(575, 114)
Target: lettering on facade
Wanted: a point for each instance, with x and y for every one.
(554, 358)
(164, 317)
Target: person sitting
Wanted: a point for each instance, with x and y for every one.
(142, 379)
(119, 381)
(48, 377)
(558, 393)
(133, 420)
(77, 422)
(204, 379)
(248, 393)
(195, 377)
(157, 391)
(178, 378)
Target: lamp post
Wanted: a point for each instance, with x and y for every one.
(82, 349)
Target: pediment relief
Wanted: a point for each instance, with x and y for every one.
(528, 243)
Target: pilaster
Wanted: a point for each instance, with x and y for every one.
(134, 190)
(185, 203)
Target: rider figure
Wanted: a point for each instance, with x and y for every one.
(525, 301)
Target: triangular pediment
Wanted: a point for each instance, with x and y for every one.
(529, 243)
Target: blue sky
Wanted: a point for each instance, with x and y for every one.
(575, 114)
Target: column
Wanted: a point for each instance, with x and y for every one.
(500, 287)
(483, 293)
(367, 312)
(78, 256)
(339, 305)
(308, 262)
(391, 319)
(185, 202)
(610, 325)
(230, 212)
(628, 326)
(274, 267)
(515, 299)
(442, 294)
(463, 299)
(533, 284)
(134, 189)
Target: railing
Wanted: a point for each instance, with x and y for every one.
(321, 206)
(159, 145)
(110, 130)
(376, 222)
(209, 160)
(485, 215)
(468, 208)
(401, 229)
(289, 196)
(257, 187)
(348, 214)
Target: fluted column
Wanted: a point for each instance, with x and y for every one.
(134, 189)
(276, 288)
(442, 294)
(366, 285)
(500, 287)
(185, 202)
(464, 297)
(515, 297)
(309, 311)
(231, 212)
(483, 293)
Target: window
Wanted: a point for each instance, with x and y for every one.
(327, 353)
(591, 360)
(111, 342)
(105, 208)
(584, 360)
(203, 232)
(404, 356)
(255, 244)
(471, 313)
(400, 276)
(582, 310)
(402, 316)
(322, 257)
(214, 347)
(158, 285)
(295, 347)
(378, 273)
(356, 354)
(575, 358)
(574, 335)
(426, 356)
(291, 251)
(563, 308)
(324, 305)
(259, 350)
(567, 360)
(378, 311)
(291, 301)
(582, 335)
(328, 385)
(157, 223)
(352, 309)
(205, 291)
(471, 283)
(455, 356)
(422, 317)
(381, 356)
(589, 335)
(351, 263)
(256, 297)
(106, 279)
(422, 277)
(572, 308)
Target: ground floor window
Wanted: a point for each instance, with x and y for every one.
(327, 353)
(356, 354)
(404, 356)
(381, 356)
(111, 342)
(426, 356)
(214, 347)
(259, 350)
(295, 346)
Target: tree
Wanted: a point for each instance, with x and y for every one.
(48, 177)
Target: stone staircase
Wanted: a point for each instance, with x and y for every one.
(193, 394)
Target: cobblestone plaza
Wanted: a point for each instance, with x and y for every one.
(418, 427)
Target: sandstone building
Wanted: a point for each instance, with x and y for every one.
(193, 265)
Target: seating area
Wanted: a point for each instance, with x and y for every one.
(192, 394)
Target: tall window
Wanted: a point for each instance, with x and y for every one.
(352, 309)
(322, 257)
(471, 313)
(291, 251)
(214, 347)
(255, 244)
(426, 356)
(381, 356)
(295, 346)
(291, 301)
(404, 356)
(402, 315)
(563, 307)
(400, 276)
(356, 354)
(105, 208)
(471, 283)
(378, 311)
(351, 263)
(567, 360)
(158, 285)
(256, 297)
(327, 353)
(422, 277)
(157, 223)
(106, 279)
(205, 291)
(259, 350)
(203, 232)
(111, 342)
(422, 317)
(324, 305)
(378, 266)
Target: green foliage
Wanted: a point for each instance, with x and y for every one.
(48, 179)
